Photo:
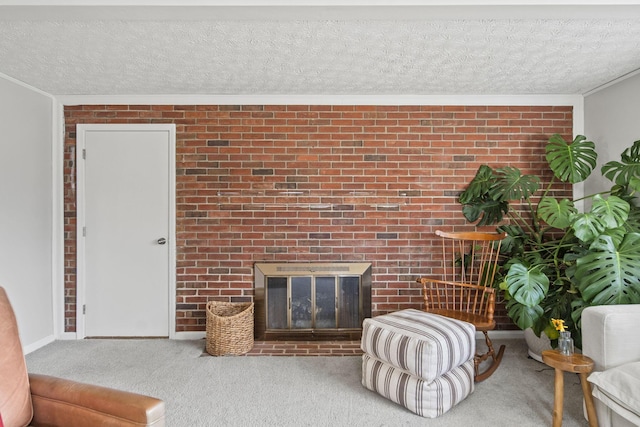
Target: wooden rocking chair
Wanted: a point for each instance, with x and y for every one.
(464, 291)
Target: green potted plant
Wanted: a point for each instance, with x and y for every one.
(557, 260)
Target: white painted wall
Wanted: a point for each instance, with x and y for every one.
(612, 121)
(26, 217)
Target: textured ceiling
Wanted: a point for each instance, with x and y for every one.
(235, 53)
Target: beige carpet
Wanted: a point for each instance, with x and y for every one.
(201, 390)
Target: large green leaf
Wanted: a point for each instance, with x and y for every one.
(608, 213)
(634, 184)
(633, 222)
(512, 185)
(616, 234)
(488, 211)
(587, 226)
(528, 286)
(479, 185)
(556, 213)
(571, 162)
(608, 274)
(478, 205)
(523, 316)
(513, 244)
(613, 211)
(622, 172)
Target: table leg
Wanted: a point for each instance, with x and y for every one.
(559, 398)
(588, 400)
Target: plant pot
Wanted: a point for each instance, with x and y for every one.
(536, 344)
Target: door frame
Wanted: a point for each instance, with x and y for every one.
(81, 130)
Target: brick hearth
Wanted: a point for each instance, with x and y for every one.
(306, 348)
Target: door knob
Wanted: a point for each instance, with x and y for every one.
(162, 241)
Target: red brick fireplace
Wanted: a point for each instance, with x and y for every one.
(318, 183)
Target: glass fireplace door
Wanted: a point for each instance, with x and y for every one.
(349, 308)
(325, 310)
(278, 303)
(301, 303)
(313, 302)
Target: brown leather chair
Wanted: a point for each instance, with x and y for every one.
(40, 400)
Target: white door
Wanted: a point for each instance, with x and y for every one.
(125, 187)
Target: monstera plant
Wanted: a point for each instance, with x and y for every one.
(556, 259)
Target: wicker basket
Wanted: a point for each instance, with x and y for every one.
(229, 327)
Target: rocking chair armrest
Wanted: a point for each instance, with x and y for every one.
(482, 323)
(464, 301)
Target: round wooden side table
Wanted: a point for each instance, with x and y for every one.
(576, 363)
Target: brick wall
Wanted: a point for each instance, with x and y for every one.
(318, 183)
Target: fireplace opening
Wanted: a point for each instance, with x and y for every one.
(308, 301)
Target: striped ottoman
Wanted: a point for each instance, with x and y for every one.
(419, 360)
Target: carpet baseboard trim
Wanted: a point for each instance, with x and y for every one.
(191, 335)
(38, 344)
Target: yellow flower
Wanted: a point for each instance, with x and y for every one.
(558, 324)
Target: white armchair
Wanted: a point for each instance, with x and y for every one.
(611, 337)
